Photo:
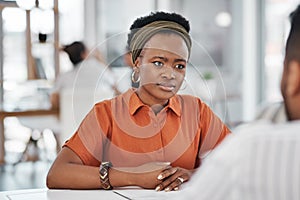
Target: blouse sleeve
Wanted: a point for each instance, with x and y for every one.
(213, 130)
(89, 140)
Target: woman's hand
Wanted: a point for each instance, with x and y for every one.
(148, 179)
(172, 178)
(144, 176)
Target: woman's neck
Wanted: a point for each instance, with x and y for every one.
(155, 104)
(157, 108)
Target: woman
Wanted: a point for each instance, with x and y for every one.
(149, 136)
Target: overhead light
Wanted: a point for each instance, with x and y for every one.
(223, 19)
(26, 4)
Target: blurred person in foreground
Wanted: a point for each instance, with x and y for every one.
(148, 136)
(260, 161)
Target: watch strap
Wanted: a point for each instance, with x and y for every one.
(104, 175)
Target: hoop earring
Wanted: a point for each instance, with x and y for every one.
(184, 81)
(133, 77)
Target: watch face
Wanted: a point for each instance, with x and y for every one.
(107, 164)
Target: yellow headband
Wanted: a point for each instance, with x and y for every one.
(140, 38)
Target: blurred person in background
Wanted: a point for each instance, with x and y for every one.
(88, 67)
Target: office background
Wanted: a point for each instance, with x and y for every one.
(239, 43)
(244, 39)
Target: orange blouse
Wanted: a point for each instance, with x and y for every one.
(126, 132)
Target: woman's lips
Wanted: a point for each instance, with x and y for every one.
(166, 86)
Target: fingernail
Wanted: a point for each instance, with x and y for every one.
(166, 163)
(176, 188)
(167, 189)
(159, 177)
(157, 188)
(174, 170)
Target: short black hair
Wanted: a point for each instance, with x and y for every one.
(157, 16)
(293, 41)
(75, 51)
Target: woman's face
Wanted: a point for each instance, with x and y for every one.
(162, 66)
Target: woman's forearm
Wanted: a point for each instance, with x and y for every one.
(76, 176)
(68, 171)
(73, 176)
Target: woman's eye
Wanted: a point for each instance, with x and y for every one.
(179, 66)
(158, 64)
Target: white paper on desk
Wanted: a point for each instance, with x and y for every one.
(147, 194)
(82, 195)
(60, 195)
(27, 195)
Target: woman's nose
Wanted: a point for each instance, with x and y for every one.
(168, 72)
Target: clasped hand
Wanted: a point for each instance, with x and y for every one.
(172, 178)
(162, 176)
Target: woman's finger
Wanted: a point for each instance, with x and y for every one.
(166, 173)
(175, 184)
(173, 181)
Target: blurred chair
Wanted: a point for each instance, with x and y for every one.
(43, 143)
(74, 105)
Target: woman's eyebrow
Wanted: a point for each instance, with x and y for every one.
(180, 60)
(166, 59)
(160, 57)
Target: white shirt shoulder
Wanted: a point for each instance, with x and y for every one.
(261, 162)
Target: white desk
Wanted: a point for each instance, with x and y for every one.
(45, 194)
